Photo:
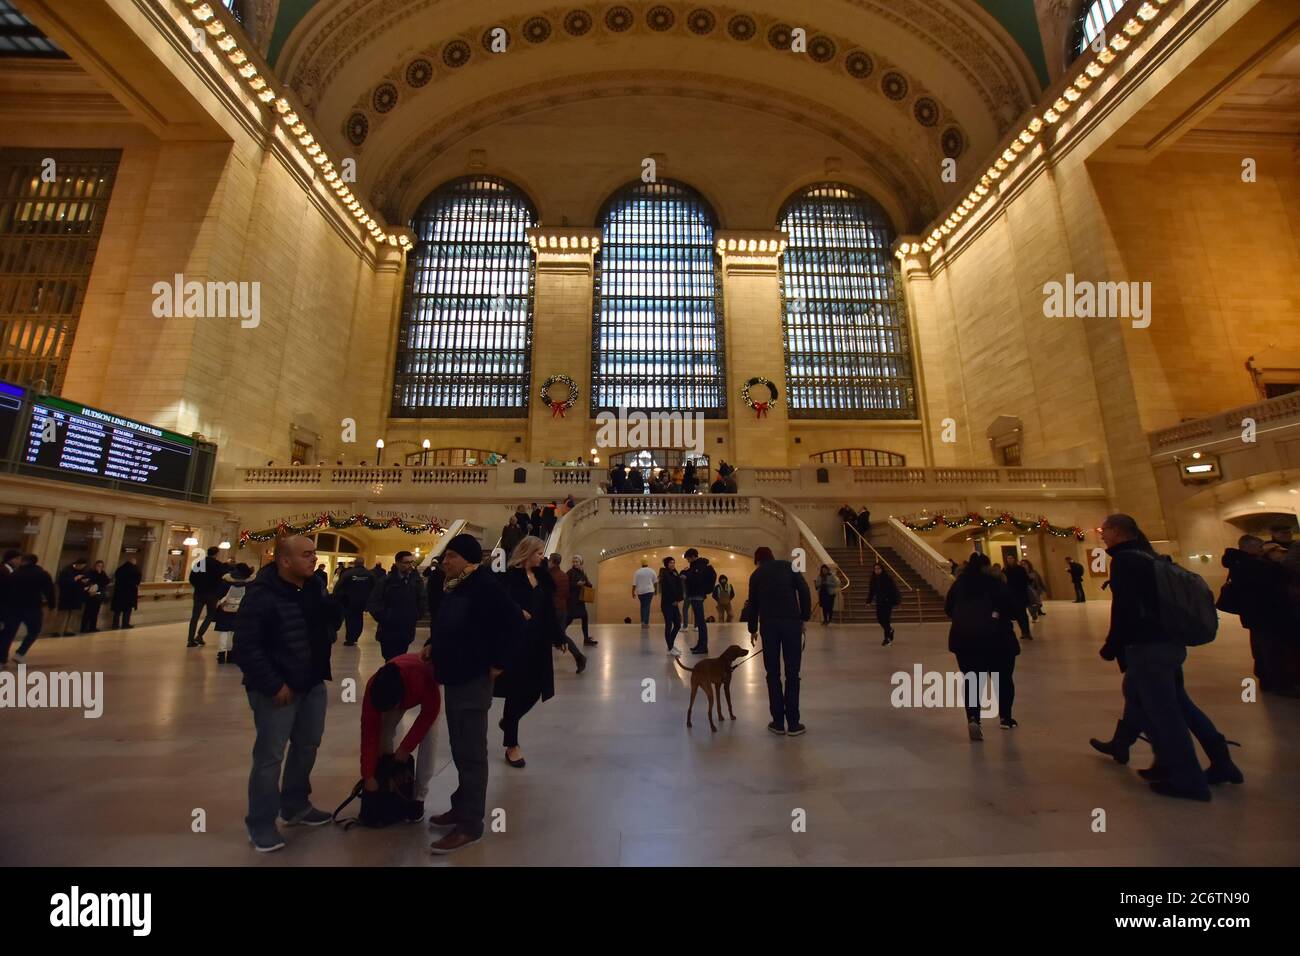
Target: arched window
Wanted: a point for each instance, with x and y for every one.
(1092, 23)
(657, 329)
(847, 353)
(467, 312)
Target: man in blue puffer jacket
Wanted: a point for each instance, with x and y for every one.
(283, 635)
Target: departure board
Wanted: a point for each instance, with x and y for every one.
(78, 440)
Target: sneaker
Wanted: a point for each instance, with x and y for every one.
(1008, 723)
(266, 839)
(447, 819)
(795, 730)
(457, 839)
(976, 731)
(776, 728)
(311, 817)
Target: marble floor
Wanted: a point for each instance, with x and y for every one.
(613, 780)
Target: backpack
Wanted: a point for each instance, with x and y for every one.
(1184, 602)
(393, 802)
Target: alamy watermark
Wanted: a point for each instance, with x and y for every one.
(1101, 300)
(638, 429)
(923, 688)
(208, 300)
(76, 690)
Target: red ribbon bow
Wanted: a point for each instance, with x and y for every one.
(760, 409)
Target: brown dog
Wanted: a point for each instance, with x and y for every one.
(714, 675)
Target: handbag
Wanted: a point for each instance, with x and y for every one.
(587, 595)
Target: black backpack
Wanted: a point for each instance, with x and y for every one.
(393, 802)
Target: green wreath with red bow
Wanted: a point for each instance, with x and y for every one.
(558, 408)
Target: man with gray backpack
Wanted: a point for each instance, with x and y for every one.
(1158, 610)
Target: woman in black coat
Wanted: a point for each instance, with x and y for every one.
(883, 593)
(126, 593)
(96, 589)
(982, 638)
(530, 675)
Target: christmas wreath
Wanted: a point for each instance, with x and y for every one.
(760, 408)
(558, 408)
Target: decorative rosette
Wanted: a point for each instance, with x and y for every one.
(560, 406)
(760, 407)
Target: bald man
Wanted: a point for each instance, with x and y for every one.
(283, 634)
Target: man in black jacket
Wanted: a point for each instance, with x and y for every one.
(1153, 659)
(700, 580)
(473, 636)
(25, 588)
(779, 604)
(353, 591)
(397, 603)
(283, 633)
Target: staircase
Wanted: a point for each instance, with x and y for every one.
(852, 606)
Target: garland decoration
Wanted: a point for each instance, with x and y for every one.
(1005, 519)
(760, 408)
(559, 408)
(327, 520)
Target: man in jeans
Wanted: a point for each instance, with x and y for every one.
(470, 641)
(1153, 658)
(779, 604)
(700, 581)
(643, 589)
(283, 633)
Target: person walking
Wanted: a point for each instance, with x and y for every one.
(883, 593)
(671, 593)
(126, 592)
(643, 589)
(402, 684)
(205, 577)
(529, 675)
(1153, 659)
(723, 595)
(779, 605)
(1037, 591)
(828, 587)
(700, 580)
(28, 586)
(983, 640)
(1075, 570)
(577, 601)
(397, 603)
(1018, 586)
(560, 598)
(72, 597)
(353, 589)
(470, 641)
(284, 629)
(96, 589)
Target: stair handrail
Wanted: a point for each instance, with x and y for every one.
(933, 567)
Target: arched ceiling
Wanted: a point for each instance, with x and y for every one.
(894, 85)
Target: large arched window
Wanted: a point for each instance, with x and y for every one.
(847, 353)
(467, 312)
(657, 329)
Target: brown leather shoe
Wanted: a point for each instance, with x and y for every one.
(447, 819)
(453, 841)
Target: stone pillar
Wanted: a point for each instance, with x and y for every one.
(755, 345)
(562, 303)
(922, 321)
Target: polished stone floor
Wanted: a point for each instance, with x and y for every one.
(612, 780)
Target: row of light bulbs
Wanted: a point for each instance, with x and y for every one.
(1147, 12)
(206, 18)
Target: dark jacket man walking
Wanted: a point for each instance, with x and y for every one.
(284, 630)
(779, 604)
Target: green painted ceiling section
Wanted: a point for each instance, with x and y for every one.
(1016, 16)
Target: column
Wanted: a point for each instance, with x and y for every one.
(562, 303)
(755, 345)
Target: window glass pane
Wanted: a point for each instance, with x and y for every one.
(846, 341)
(657, 330)
(467, 313)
